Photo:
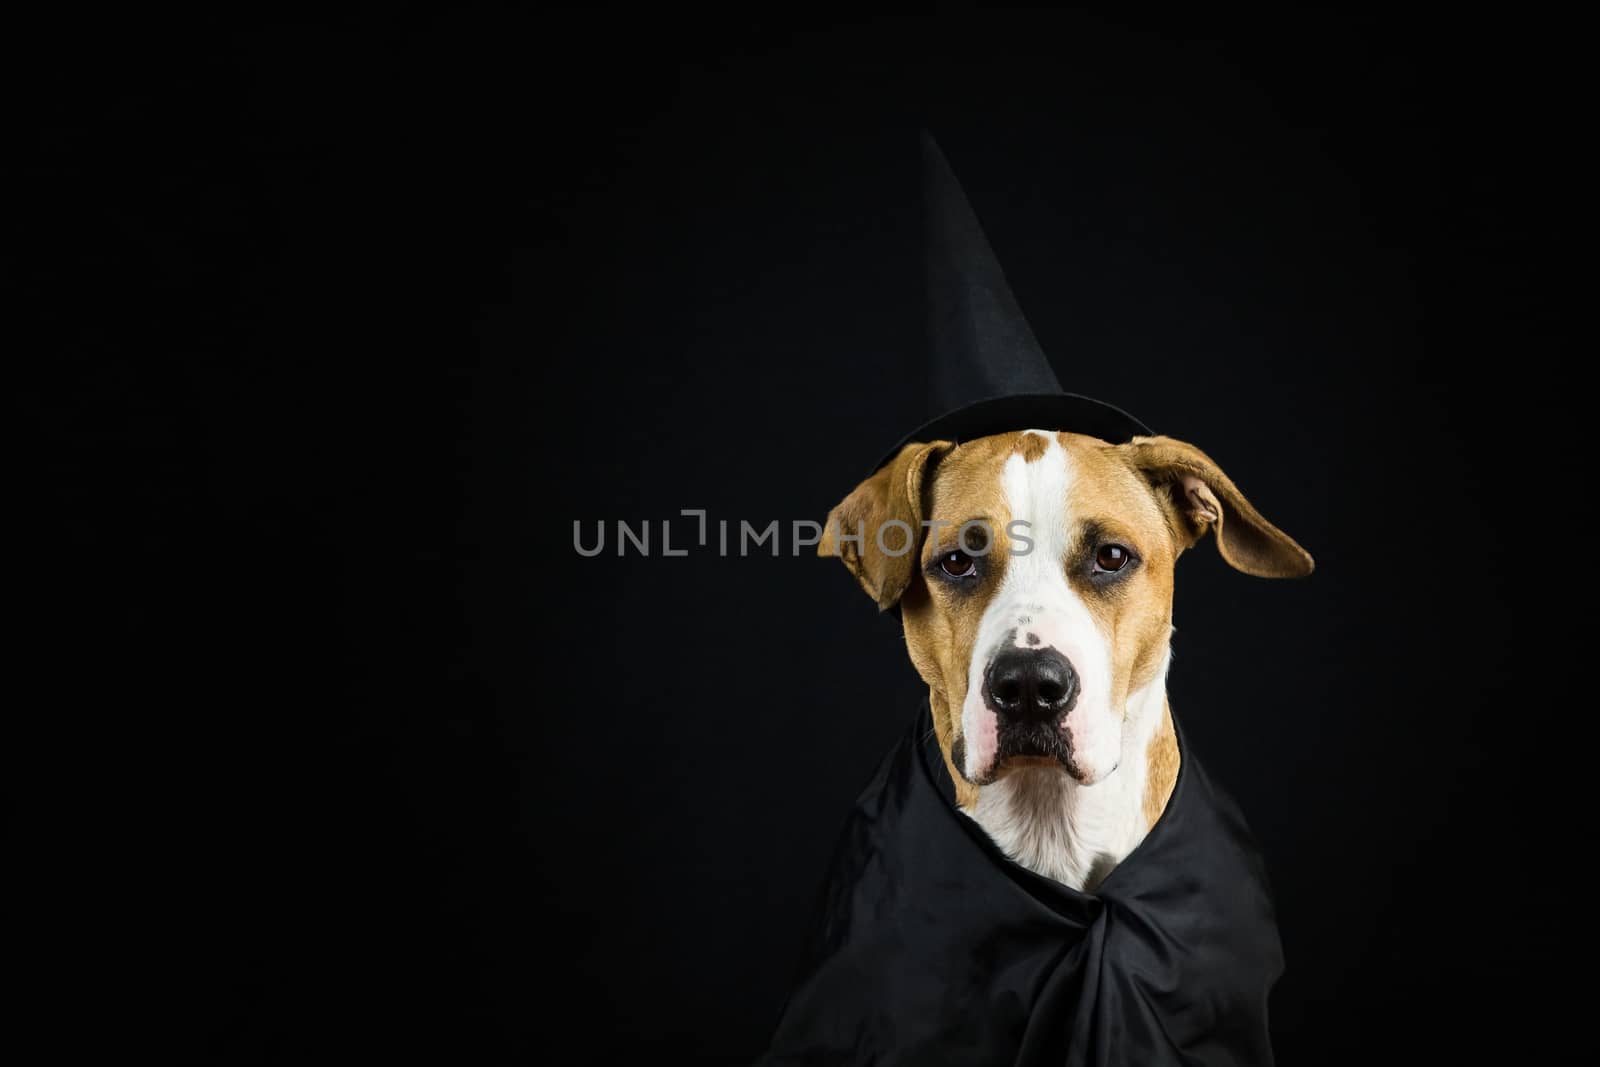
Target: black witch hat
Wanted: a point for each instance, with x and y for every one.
(989, 374)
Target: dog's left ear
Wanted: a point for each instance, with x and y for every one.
(885, 511)
(1203, 498)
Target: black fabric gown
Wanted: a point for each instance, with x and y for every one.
(933, 948)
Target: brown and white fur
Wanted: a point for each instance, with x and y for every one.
(1066, 616)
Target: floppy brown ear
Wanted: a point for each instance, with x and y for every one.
(1202, 498)
(891, 502)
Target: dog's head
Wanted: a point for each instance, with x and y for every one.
(1034, 576)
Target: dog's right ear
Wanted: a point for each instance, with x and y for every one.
(877, 530)
(1201, 498)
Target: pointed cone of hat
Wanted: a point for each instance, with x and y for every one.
(987, 373)
(980, 343)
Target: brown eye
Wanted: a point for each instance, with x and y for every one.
(1111, 557)
(958, 565)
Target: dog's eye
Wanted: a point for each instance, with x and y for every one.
(1111, 558)
(958, 565)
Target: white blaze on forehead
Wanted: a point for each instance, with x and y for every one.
(1037, 603)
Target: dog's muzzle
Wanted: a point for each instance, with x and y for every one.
(1030, 691)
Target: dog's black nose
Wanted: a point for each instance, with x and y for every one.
(1030, 684)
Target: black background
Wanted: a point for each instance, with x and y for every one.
(336, 751)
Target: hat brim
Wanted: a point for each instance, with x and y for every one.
(1026, 411)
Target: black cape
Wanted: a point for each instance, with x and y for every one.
(934, 948)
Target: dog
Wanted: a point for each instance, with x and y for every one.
(1034, 576)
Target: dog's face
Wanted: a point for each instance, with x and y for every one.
(1035, 583)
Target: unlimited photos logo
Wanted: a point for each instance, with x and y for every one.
(893, 537)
